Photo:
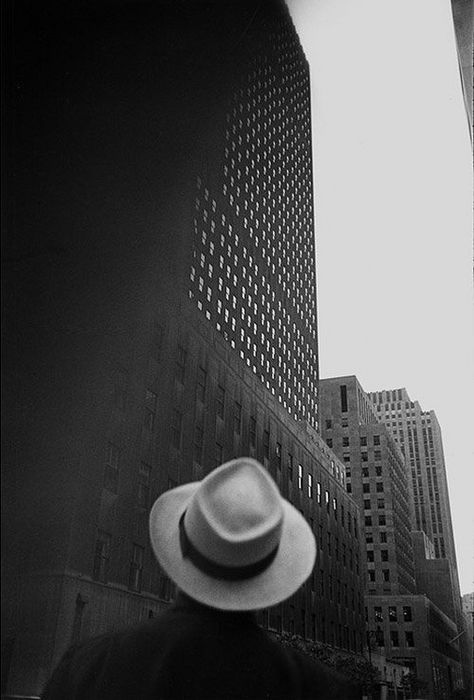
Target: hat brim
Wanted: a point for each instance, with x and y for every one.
(290, 568)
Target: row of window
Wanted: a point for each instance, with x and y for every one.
(363, 440)
(395, 640)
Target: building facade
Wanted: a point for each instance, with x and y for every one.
(404, 623)
(253, 271)
(160, 311)
(418, 435)
(375, 475)
(413, 631)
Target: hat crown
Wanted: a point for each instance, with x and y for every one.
(235, 517)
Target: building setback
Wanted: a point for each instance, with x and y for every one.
(162, 215)
(399, 620)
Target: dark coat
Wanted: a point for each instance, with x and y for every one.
(192, 652)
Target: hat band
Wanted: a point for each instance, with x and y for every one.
(228, 573)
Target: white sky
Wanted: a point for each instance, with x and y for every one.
(393, 200)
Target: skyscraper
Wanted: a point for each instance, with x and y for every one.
(418, 434)
(159, 307)
(253, 271)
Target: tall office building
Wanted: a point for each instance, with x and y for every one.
(418, 435)
(404, 622)
(159, 310)
(253, 271)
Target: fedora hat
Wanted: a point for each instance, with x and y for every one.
(231, 541)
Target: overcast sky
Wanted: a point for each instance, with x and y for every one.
(393, 199)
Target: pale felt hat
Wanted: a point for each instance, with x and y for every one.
(231, 541)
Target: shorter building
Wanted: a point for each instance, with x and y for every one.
(413, 631)
(376, 478)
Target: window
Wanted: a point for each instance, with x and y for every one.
(379, 486)
(100, 570)
(310, 486)
(219, 457)
(380, 503)
(237, 417)
(345, 441)
(378, 617)
(392, 613)
(407, 613)
(394, 638)
(220, 401)
(201, 384)
(328, 423)
(176, 425)
(409, 639)
(136, 568)
(376, 439)
(290, 467)
(382, 520)
(367, 504)
(143, 495)
(253, 431)
(111, 473)
(300, 477)
(278, 455)
(384, 554)
(371, 573)
(329, 442)
(364, 456)
(326, 500)
(365, 472)
(343, 389)
(150, 409)
(370, 555)
(377, 455)
(386, 574)
(366, 488)
(378, 471)
(198, 444)
(266, 444)
(368, 520)
(383, 536)
(363, 441)
(180, 368)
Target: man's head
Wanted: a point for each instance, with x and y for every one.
(231, 541)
